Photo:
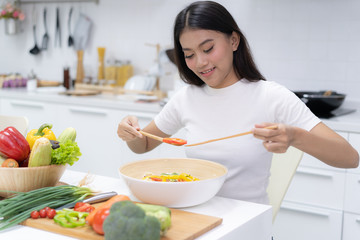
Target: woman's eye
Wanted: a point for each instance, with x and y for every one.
(208, 50)
(189, 56)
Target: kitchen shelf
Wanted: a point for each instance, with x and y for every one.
(54, 1)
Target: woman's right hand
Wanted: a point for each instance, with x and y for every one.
(128, 129)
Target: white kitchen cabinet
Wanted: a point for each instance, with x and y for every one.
(103, 152)
(317, 187)
(352, 193)
(302, 222)
(36, 111)
(351, 229)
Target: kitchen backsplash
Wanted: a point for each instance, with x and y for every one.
(302, 44)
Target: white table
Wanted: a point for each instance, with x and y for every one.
(241, 220)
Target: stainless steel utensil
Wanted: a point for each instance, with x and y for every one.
(58, 30)
(94, 199)
(45, 39)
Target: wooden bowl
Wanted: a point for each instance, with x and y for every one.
(174, 194)
(25, 179)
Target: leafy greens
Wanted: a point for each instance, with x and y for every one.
(67, 153)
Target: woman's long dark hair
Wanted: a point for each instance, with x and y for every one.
(212, 16)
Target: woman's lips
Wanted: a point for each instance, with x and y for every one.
(207, 72)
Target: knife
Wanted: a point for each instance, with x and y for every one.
(94, 199)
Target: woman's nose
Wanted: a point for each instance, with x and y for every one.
(201, 60)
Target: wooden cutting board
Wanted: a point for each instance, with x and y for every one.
(185, 226)
(79, 92)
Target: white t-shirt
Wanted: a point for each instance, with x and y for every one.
(208, 113)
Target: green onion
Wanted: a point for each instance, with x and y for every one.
(17, 208)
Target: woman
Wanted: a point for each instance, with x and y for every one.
(226, 94)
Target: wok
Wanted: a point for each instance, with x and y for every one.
(321, 102)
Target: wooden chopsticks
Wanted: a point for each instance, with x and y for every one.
(232, 136)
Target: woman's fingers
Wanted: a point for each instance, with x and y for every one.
(128, 129)
(274, 140)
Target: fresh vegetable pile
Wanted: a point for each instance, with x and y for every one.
(39, 148)
(119, 218)
(19, 207)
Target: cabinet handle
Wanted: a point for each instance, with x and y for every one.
(302, 210)
(88, 111)
(142, 115)
(27, 104)
(315, 172)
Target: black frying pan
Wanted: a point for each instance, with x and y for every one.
(321, 102)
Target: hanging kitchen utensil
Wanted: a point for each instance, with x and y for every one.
(58, 30)
(70, 39)
(35, 50)
(45, 39)
(223, 138)
(81, 37)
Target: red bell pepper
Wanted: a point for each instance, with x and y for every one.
(13, 144)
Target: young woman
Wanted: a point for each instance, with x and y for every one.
(226, 94)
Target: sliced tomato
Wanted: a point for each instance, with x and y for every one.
(83, 207)
(156, 179)
(99, 219)
(175, 141)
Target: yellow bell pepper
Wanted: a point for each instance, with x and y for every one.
(43, 131)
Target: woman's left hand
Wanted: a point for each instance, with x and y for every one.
(274, 140)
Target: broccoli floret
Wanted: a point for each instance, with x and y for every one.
(128, 222)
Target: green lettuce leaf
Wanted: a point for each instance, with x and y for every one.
(67, 153)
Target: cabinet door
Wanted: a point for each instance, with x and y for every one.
(354, 139)
(317, 187)
(37, 112)
(103, 151)
(300, 222)
(351, 227)
(352, 193)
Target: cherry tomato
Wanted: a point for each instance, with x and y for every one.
(99, 219)
(46, 209)
(78, 204)
(42, 213)
(51, 213)
(34, 214)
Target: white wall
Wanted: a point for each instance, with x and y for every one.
(303, 44)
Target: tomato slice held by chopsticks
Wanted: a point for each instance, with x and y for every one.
(175, 141)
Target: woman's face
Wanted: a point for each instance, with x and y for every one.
(209, 54)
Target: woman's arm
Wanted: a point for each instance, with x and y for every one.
(128, 131)
(320, 142)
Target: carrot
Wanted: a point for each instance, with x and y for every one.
(10, 163)
(107, 204)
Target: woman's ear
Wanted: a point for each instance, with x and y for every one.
(235, 40)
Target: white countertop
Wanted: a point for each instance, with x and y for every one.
(111, 101)
(348, 123)
(241, 220)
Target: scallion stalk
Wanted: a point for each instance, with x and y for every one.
(17, 208)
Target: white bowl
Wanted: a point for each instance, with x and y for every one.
(174, 194)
